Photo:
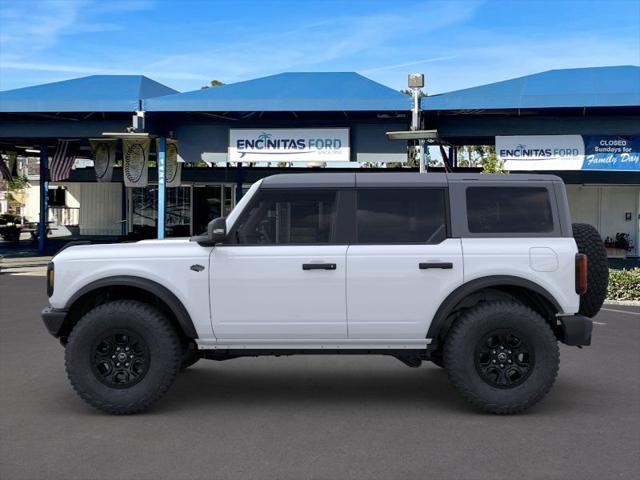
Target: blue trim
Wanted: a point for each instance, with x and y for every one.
(162, 190)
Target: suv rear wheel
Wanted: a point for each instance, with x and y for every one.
(122, 356)
(502, 357)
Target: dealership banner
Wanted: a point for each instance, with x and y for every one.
(104, 157)
(611, 152)
(136, 161)
(569, 152)
(541, 152)
(289, 145)
(172, 165)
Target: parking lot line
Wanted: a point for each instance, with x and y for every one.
(620, 311)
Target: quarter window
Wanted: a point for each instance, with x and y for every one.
(284, 217)
(401, 215)
(509, 210)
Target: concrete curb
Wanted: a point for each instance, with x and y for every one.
(23, 262)
(629, 303)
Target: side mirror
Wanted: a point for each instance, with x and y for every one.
(216, 233)
(217, 230)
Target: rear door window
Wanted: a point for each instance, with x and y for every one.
(509, 210)
(401, 215)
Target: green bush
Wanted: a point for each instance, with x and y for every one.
(624, 284)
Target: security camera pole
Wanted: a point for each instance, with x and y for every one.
(416, 83)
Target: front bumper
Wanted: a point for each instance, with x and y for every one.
(53, 319)
(575, 330)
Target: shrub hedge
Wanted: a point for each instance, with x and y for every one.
(624, 284)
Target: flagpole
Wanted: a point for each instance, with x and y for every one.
(44, 199)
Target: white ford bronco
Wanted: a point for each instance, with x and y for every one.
(480, 274)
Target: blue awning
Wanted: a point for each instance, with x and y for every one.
(577, 87)
(96, 93)
(288, 92)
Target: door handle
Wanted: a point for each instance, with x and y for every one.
(318, 266)
(442, 265)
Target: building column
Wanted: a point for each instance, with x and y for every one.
(162, 154)
(239, 181)
(44, 199)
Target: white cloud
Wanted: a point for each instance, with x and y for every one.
(89, 70)
(31, 27)
(408, 64)
(351, 41)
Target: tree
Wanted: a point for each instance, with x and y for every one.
(493, 164)
(15, 194)
(213, 83)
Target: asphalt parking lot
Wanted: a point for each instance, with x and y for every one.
(315, 417)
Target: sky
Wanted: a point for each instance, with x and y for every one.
(185, 44)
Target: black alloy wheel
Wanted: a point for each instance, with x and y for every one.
(120, 359)
(504, 359)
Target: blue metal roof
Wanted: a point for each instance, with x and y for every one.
(307, 91)
(96, 93)
(576, 87)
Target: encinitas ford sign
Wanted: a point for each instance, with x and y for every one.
(289, 145)
(541, 152)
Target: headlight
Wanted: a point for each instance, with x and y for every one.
(50, 278)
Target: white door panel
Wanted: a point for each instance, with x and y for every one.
(390, 296)
(264, 292)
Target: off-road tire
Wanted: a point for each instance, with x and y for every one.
(460, 356)
(150, 325)
(590, 243)
(190, 356)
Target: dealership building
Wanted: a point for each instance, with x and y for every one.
(212, 144)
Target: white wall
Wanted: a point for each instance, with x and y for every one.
(72, 198)
(605, 207)
(31, 209)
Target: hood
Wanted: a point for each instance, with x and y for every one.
(175, 247)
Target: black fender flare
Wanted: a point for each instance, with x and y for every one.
(154, 288)
(441, 318)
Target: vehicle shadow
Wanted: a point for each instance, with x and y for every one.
(216, 384)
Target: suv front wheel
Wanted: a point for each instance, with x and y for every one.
(122, 356)
(502, 357)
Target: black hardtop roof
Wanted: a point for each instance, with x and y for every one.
(393, 179)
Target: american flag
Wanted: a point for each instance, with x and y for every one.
(62, 161)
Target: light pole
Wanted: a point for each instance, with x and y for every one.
(416, 83)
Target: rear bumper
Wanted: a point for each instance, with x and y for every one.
(53, 319)
(575, 330)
